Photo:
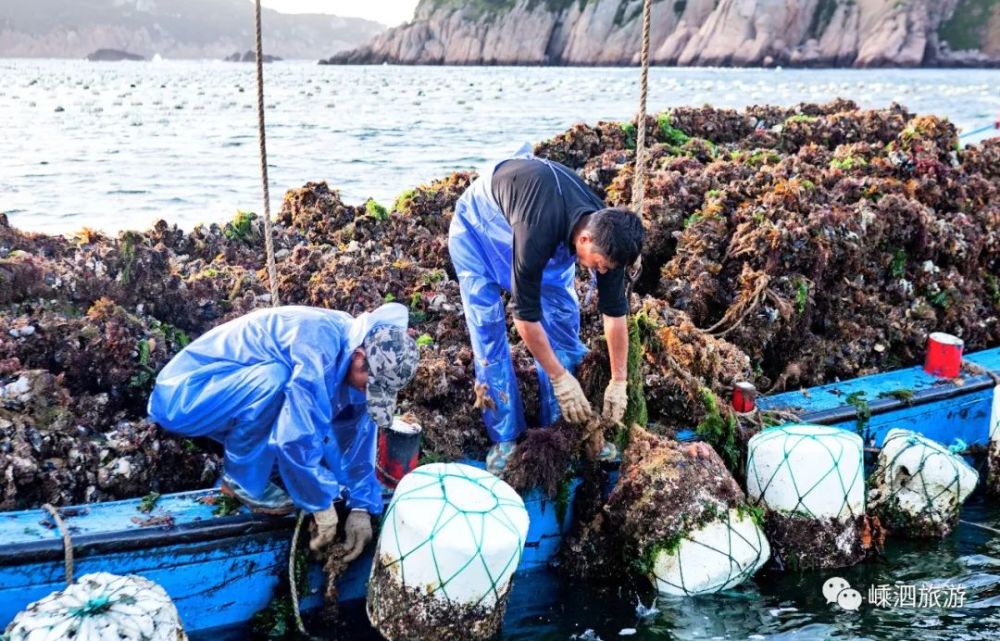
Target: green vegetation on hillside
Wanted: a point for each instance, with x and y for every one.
(967, 26)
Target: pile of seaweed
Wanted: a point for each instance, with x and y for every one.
(786, 246)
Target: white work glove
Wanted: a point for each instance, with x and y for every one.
(573, 404)
(326, 529)
(359, 534)
(615, 400)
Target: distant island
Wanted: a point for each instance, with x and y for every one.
(112, 55)
(832, 33)
(249, 56)
(205, 29)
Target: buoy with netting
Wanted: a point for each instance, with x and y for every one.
(676, 516)
(810, 481)
(716, 556)
(100, 607)
(451, 540)
(918, 485)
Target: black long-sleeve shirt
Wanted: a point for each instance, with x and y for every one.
(543, 203)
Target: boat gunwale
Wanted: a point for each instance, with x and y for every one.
(219, 528)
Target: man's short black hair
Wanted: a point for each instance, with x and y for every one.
(617, 233)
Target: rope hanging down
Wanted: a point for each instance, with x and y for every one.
(272, 273)
(67, 542)
(272, 276)
(638, 184)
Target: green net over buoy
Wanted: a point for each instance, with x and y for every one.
(99, 607)
(918, 485)
(717, 556)
(450, 542)
(809, 470)
(810, 481)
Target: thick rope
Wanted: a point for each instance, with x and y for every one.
(638, 184)
(272, 276)
(67, 541)
(980, 526)
(291, 574)
(272, 272)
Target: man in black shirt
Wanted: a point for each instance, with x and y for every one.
(522, 227)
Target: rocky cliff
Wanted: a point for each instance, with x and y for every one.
(863, 33)
(171, 28)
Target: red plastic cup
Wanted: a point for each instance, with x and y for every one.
(398, 451)
(944, 355)
(744, 397)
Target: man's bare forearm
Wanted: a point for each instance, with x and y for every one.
(537, 342)
(616, 333)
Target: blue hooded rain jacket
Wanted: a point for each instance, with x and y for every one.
(271, 387)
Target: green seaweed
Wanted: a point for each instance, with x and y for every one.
(905, 395)
(801, 295)
(402, 203)
(636, 412)
(668, 133)
(146, 374)
(898, 265)
(425, 340)
(277, 619)
(629, 130)
(129, 241)
(719, 431)
(862, 410)
(375, 210)
(226, 505)
(763, 157)
(562, 497)
(148, 502)
(240, 227)
(993, 289)
(848, 163)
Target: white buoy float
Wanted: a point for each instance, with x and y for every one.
(810, 480)
(716, 556)
(98, 607)
(451, 540)
(919, 485)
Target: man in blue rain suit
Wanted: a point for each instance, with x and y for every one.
(299, 389)
(522, 226)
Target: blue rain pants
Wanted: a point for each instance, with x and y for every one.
(271, 387)
(479, 241)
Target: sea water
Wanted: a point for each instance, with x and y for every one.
(115, 146)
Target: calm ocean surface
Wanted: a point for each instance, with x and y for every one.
(119, 145)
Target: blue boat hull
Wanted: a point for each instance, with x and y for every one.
(221, 570)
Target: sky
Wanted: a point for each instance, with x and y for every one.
(388, 12)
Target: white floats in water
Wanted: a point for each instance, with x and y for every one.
(450, 542)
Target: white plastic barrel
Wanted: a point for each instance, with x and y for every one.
(101, 606)
(810, 470)
(451, 539)
(717, 556)
(920, 478)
